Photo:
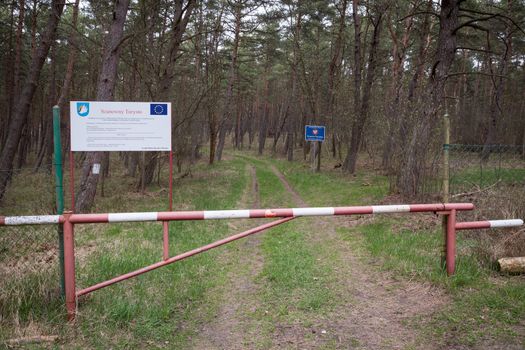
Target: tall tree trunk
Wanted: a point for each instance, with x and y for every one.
(265, 110)
(24, 102)
(232, 82)
(399, 49)
(182, 16)
(333, 71)
(9, 81)
(212, 117)
(105, 92)
(498, 88)
(423, 46)
(23, 144)
(71, 58)
(296, 111)
(361, 117)
(416, 151)
(18, 49)
(347, 166)
(46, 150)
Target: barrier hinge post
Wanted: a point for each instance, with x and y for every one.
(451, 243)
(69, 266)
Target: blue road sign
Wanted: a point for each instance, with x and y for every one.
(313, 133)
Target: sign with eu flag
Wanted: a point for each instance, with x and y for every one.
(120, 126)
(158, 109)
(314, 133)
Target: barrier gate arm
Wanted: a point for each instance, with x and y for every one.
(183, 256)
(69, 220)
(232, 214)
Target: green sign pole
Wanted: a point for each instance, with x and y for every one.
(59, 177)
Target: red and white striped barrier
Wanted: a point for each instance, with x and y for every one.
(469, 225)
(285, 214)
(30, 220)
(233, 214)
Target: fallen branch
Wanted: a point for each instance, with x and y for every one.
(32, 339)
(479, 190)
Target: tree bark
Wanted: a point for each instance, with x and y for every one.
(18, 49)
(105, 92)
(71, 58)
(416, 149)
(182, 16)
(265, 110)
(496, 108)
(347, 165)
(399, 49)
(46, 150)
(362, 115)
(333, 71)
(232, 82)
(9, 80)
(24, 102)
(423, 45)
(213, 83)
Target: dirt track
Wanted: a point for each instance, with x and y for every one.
(375, 311)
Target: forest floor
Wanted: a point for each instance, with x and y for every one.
(360, 282)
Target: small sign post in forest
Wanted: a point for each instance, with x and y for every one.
(315, 134)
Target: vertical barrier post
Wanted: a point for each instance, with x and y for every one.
(446, 182)
(69, 267)
(451, 243)
(59, 179)
(165, 224)
(72, 179)
(444, 228)
(165, 240)
(170, 204)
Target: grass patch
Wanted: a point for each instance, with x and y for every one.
(484, 305)
(293, 278)
(161, 308)
(332, 188)
(475, 176)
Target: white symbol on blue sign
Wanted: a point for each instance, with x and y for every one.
(314, 133)
(83, 109)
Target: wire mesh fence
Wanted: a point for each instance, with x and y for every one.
(29, 255)
(31, 191)
(29, 269)
(481, 167)
(477, 169)
(493, 178)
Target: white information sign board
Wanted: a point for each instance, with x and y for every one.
(120, 126)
